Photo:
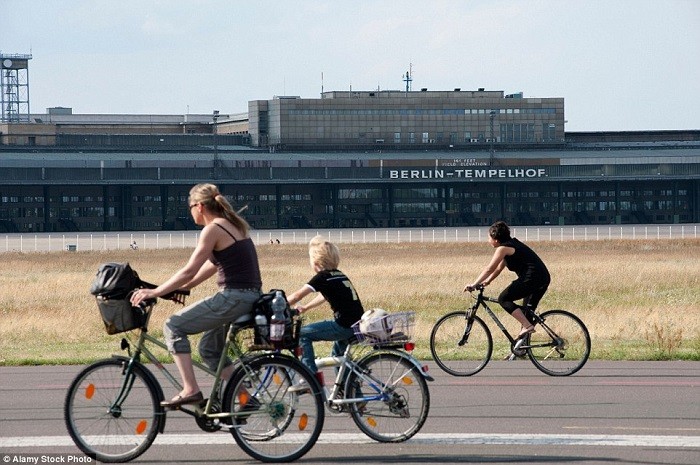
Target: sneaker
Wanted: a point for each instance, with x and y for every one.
(300, 387)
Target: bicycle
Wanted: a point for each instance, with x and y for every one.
(113, 413)
(462, 345)
(384, 391)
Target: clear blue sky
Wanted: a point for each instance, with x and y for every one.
(619, 64)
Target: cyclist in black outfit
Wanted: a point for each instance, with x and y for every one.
(533, 276)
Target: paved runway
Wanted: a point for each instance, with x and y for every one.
(609, 412)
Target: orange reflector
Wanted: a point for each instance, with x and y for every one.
(276, 378)
(371, 422)
(303, 422)
(89, 391)
(243, 397)
(141, 427)
(407, 380)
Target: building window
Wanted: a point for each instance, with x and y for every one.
(397, 138)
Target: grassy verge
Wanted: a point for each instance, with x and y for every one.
(639, 299)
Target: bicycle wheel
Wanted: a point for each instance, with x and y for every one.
(397, 397)
(561, 345)
(113, 416)
(456, 354)
(270, 423)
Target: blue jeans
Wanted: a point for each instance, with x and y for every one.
(327, 330)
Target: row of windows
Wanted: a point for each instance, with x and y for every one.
(368, 193)
(421, 111)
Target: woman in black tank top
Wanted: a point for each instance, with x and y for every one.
(223, 249)
(533, 276)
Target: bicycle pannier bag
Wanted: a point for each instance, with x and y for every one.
(112, 288)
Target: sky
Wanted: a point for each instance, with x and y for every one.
(620, 65)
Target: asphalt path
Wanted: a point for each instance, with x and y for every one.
(608, 413)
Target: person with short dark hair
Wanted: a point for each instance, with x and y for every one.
(533, 276)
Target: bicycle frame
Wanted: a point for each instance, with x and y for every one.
(346, 364)
(515, 343)
(140, 348)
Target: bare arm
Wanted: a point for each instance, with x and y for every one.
(493, 269)
(300, 294)
(197, 269)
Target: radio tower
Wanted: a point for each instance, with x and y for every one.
(14, 88)
(407, 77)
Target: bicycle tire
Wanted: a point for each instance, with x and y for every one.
(402, 404)
(108, 432)
(561, 345)
(281, 426)
(460, 360)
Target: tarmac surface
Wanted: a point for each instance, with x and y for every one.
(608, 413)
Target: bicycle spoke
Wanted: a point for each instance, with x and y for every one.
(563, 345)
(400, 408)
(110, 416)
(457, 353)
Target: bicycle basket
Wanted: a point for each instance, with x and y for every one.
(119, 316)
(378, 327)
(292, 326)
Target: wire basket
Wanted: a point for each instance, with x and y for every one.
(388, 329)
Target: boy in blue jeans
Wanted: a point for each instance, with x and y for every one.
(335, 288)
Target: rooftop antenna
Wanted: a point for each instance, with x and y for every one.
(321, 82)
(407, 77)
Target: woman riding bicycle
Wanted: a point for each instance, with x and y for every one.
(224, 248)
(533, 276)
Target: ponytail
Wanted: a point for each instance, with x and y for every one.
(209, 195)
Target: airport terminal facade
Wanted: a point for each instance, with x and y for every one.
(362, 159)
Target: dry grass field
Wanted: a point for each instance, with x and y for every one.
(639, 299)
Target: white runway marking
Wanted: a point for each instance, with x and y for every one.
(457, 439)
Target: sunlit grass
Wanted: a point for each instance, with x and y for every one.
(640, 299)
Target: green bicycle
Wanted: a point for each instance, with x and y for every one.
(112, 409)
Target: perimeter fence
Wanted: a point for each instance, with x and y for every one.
(99, 241)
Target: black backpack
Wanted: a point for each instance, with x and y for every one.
(115, 281)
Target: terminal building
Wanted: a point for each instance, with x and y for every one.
(345, 160)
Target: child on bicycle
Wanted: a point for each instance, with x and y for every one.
(334, 287)
(533, 276)
(226, 249)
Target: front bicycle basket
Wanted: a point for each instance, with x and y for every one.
(120, 316)
(378, 327)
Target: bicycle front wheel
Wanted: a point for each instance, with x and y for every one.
(455, 351)
(561, 345)
(396, 398)
(270, 422)
(113, 415)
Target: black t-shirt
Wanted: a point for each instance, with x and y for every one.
(337, 289)
(526, 263)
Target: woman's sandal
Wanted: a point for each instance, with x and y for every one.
(179, 400)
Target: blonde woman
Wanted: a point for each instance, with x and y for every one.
(224, 248)
(334, 287)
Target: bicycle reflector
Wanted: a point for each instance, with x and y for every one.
(409, 346)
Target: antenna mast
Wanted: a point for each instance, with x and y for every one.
(407, 78)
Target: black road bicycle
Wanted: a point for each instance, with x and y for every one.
(462, 345)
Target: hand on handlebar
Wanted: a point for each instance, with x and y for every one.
(178, 296)
(472, 288)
